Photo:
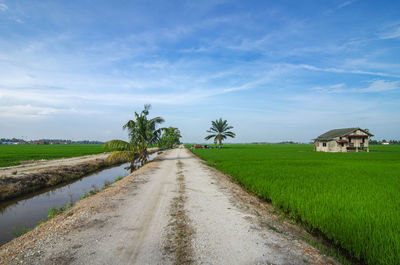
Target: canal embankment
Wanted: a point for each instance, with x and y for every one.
(25, 212)
(28, 178)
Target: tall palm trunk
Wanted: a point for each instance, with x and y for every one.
(143, 154)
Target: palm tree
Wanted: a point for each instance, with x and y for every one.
(142, 134)
(220, 131)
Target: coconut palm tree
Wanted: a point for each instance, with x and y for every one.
(220, 131)
(143, 132)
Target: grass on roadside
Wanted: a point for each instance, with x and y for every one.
(350, 198)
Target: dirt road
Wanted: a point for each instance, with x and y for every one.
(37, 165)
(172, 211)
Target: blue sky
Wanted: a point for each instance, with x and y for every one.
(276, 70)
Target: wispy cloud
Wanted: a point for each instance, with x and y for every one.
(3, 7)
(345, 71)
(339, 6)
(374, 87)
(31, 91)
(10, 15)
(344, 4)
(381, 85)
(26, 111)
(289, 29)
(64, 63)
(393, 33)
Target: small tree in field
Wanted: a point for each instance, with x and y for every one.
(220, 130)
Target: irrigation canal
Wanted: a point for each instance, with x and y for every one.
(30, 209)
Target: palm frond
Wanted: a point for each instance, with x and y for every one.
(118, 145)
(157, 120)
(129, 124)
(230, 134)
(208, 137)
(122, 156)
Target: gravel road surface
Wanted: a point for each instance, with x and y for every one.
(174, 210)
(37, 165)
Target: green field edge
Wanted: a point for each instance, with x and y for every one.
(315, 237)
(16, 155)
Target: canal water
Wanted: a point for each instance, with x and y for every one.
(29, 210)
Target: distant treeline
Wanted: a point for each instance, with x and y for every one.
(373, 142)
(46, 141)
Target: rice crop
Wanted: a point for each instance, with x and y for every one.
(11, 155)
(352, 198)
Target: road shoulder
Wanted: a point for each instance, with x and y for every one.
(52, 242)
(278, 240)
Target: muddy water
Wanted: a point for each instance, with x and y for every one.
(30, 209)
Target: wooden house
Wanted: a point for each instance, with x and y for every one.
(343, 140)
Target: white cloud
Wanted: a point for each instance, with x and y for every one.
(394, 33)
(3, 7)
(344, 4)
(26, 112)
(78, 100)
(340, 6)
(345, 71)
(195, 50)
(375, 86)
(381, 85)
(337, 86)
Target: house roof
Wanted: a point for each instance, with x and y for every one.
(338, 133)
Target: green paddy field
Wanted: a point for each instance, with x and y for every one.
(352, 198)
(11, 155)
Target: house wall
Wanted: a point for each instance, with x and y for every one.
(319, 146)
(333, 146)
(339, 147)
(358, 141)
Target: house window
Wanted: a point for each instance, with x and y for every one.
(323, 144)
(340, 138)
(363, 140)
(342, 144)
